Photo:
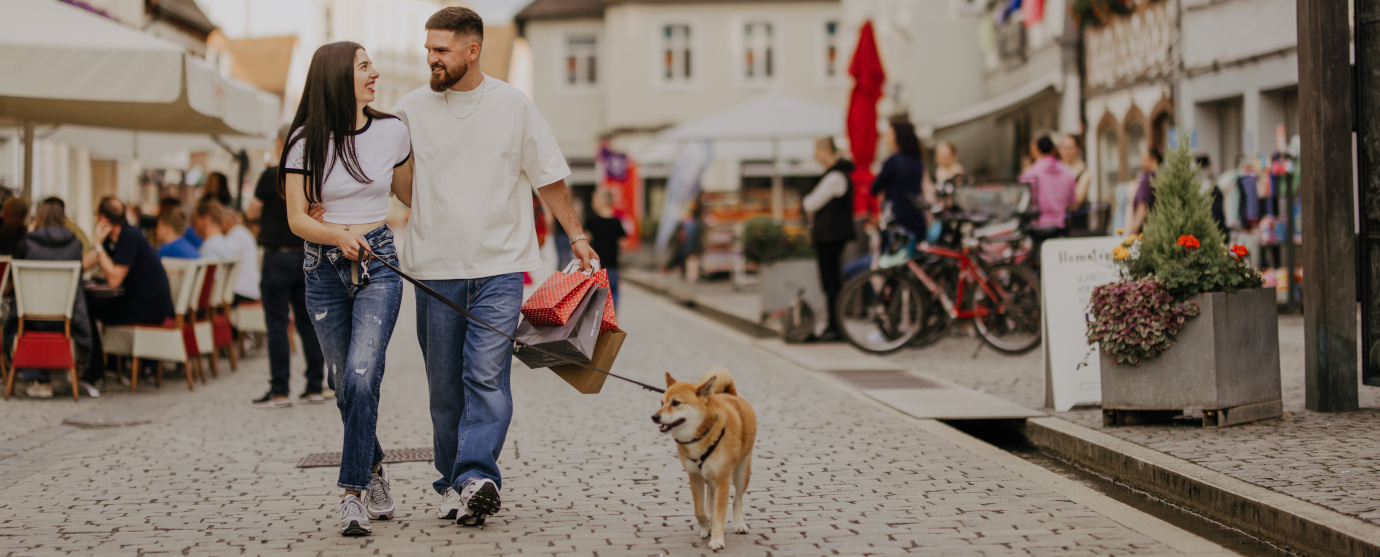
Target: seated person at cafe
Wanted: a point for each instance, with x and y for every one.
(51, 240)
(246, 249)
(173, 243)
(129, 263)
(169, 203)
(206, 222)
(13, 226)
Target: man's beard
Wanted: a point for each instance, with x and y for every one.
(447, 78)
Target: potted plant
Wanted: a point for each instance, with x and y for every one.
(785, 259)
(1189, 326)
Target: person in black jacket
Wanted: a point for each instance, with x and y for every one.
(51, 240)
(830, 207)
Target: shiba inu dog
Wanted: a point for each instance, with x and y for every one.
(714, 430)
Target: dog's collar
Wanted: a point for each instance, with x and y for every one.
(702, 435)
(699, 462)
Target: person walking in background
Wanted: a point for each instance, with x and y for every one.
(606, 236)
(1150, 159)
(899, 180)
(1051, 188)
(171, 242)
(347, 157)
(1071, 154)
(129, 263)
(14, 216)
(830, 207)
(206, 220)
(482, 148)
(946, 163)
(284, 290)
(50, 240)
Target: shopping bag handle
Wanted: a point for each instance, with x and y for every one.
(575, 265)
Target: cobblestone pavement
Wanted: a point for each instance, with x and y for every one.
(1332, 459)
(586, 475)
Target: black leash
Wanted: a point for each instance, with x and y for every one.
(462, 311)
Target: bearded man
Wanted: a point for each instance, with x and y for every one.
(480, 146)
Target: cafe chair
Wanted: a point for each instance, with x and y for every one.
(203, 305)
(174, 340)
(223, 337)
(44, 291)
(249, 317)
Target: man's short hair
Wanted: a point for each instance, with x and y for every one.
(209, 208)
(175, 219)
(55, 200)
(458, 19)
(1045, 145)
(113, 210)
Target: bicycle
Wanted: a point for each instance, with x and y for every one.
(895, 306)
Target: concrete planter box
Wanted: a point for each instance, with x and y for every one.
(1225, 362)
(783, 280)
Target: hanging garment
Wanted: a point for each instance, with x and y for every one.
(1250, 199)
(1226, 183)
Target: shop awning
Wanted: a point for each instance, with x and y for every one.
(64, 65)
(1002, 103)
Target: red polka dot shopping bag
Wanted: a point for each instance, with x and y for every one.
(554, 301)
(601, 280)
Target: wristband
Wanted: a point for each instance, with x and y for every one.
(577, 238)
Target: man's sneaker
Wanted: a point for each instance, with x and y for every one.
(450, 506)
(480, 500)
(271, 401)
(379, 501)
(354, 521)
(311, 398)
(39, 390)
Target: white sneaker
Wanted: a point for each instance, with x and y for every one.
(379, 502)
(354, 521)
(480, 500)
(39, 390)
(450, 506)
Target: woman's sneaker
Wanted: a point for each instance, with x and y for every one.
(479, 500)
(354, 521)
(450, 506)
(380, 502)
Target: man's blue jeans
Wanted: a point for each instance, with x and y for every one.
(467, 370)
(354, 325)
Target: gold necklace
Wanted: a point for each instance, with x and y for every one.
(446, 94)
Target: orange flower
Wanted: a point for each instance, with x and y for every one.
(1187, 241)
(1239, 251)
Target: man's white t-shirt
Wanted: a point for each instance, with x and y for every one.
(478, 161)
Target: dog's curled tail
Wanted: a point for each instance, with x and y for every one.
(723, 380)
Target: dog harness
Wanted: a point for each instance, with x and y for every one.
(699, 462)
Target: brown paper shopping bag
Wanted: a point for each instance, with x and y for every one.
(605, 352)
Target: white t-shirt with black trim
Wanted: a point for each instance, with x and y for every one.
(381, 145)
(478, 160)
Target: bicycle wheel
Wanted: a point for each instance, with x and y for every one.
(1012, 325)
(881, 311)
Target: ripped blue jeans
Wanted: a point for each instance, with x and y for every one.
(354, 325)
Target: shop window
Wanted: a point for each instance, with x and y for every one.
(675, 65)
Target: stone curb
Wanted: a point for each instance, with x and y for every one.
(1269, 515)
(756, 330)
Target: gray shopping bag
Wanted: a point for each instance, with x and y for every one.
(574, 340)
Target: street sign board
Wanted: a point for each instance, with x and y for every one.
(1069, 271)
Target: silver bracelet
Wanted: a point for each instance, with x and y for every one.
(578, 238)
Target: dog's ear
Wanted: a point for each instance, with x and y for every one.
(707, 388)
(670, 380)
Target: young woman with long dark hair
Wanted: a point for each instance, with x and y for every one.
(347, 157)
(900, 178)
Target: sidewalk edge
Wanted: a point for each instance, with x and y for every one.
(1266, 514)
(756, 330)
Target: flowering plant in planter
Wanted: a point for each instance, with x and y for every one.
(1180, 255)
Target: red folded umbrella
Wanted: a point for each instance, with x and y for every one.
(868, 77)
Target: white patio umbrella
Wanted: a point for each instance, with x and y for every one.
(64, 65)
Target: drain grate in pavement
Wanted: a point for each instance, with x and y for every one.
(396, 455)
(884, 379)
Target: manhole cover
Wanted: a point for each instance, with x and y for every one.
(396, 455)
(884, 379)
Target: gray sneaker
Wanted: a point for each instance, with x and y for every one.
(379, 501)
(450, 506)
(480, 500)
(354, 521)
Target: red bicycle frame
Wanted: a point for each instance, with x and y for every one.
(967, 271)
